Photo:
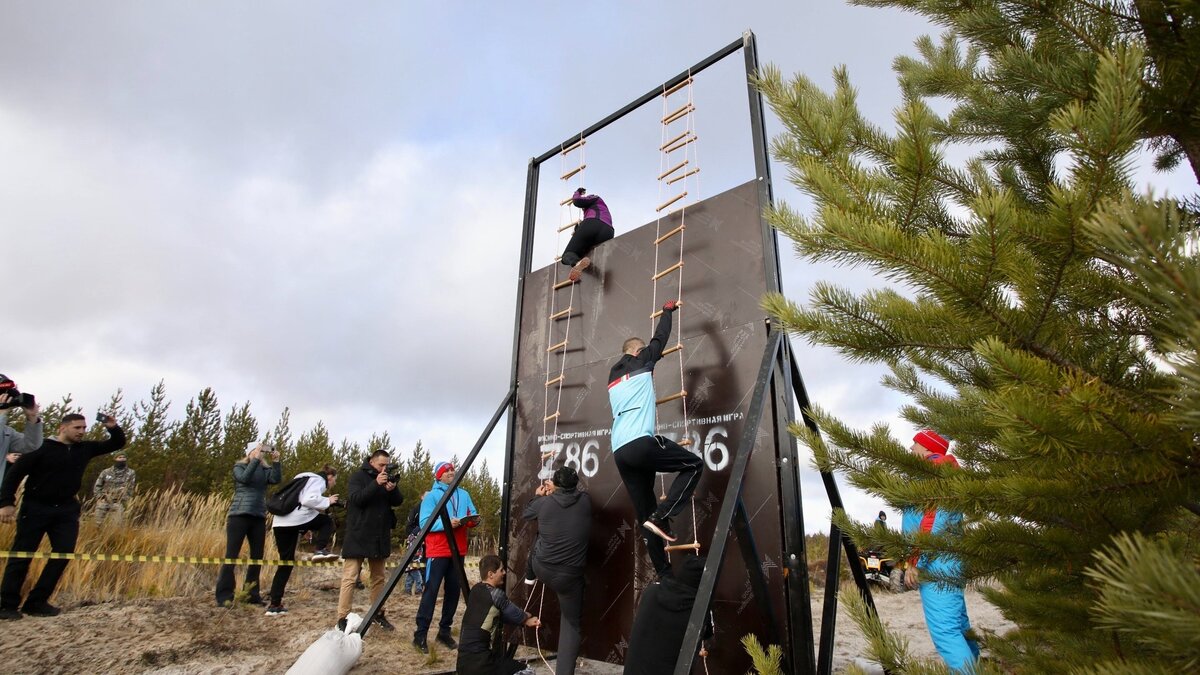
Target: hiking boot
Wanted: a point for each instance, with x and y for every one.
(276, 610)
(447, 640)
(384, 623)
(661, 527)
(341, 625)
(530, 576)
(323, 556)
(578, 269)
(41, 609)
(420, 644)
(9, 614)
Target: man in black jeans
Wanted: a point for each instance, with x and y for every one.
(640, 454)
(49, 508)
(564, 517)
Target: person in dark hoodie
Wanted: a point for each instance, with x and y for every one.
(53, 474)
(369, 522)
(661, 622)
(594, 229)
(641, 455)
(564, 517)
(482, 651)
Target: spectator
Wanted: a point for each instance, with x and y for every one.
(113, 489)
(309, 517)
(439, 564)
(369, 523)
(483, 648)
(14, 443)
(564, 517)
(414, 579)
(53, 476)
(247, 519)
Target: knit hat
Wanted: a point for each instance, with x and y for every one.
(251, 446)
(931, 441)
(566, 478)
(441, 468)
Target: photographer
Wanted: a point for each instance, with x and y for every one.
(52, 475)
(248, 518)
(309, 516)
(369, 523)
(14, 443)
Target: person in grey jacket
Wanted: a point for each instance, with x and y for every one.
(14, 443)
(564, 518)
(248, 518)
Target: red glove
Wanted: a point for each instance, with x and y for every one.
(670, 306)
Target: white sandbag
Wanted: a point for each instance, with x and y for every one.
(334, 653)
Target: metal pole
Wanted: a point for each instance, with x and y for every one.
(762, 164)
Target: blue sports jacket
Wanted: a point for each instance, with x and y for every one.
(631, 389)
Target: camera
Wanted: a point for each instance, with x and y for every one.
(394, 471)
(15, 398)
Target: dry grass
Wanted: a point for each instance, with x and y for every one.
(156, 523)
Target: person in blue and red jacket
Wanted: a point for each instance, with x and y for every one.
(594, 229)
(439, 563)
(640, 454)
(941, 596)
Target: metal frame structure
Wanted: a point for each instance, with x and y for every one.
(778, 381)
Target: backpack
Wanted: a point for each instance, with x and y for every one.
(287, 498)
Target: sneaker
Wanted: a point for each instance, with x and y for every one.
(359, 584)
(9, 614)
(578, 269)
(447, 640)
(323, 556)
(384, 623)
(276, 610)
(661, 527)
(420, 644)
(341, 624)
(41, 609)
(530, 576)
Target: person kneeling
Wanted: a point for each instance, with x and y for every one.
(481, 647)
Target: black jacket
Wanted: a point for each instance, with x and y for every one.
(55, 470)
(662, 617)
(564, 526)
(369, 517)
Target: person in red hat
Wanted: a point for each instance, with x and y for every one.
(944, 605)
(439, 562)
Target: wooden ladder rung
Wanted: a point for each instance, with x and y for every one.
(672, 170)
(671, 142)
(566, 201)
(672, 350)
(574, 171)
(672, 200)
(658, 313)
(551, 383)
(668, 235)
(680, 144)
(569, 225)
(687, 108)
(685, 442)
(560, 314)
(556, 347)
(677, 87)
(550, 417)
(577, 144)
(676, 179)
(672, 268)
(683, 547)
(563, 284)
(672, 397)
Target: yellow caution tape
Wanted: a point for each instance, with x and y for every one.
(188, 560)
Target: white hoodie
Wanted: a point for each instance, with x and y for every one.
(312, 501)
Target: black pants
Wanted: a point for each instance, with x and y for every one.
(567, 584)
(638, 462)
(286, 539)
(437, 569)
(486, 663)
(238, 528)
(61, 524)
(588, 235)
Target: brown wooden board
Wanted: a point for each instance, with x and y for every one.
(724, 332)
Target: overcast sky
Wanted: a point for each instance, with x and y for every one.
(318, 204)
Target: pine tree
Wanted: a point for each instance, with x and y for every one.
(151, 427)
(195, 444)
(1044, 316)
(313, 450)
(240, 428)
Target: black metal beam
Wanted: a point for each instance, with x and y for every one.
(441, 505)
(716, 551)
(643, 99)
(456, 556)
(762, 164)
(758, 580)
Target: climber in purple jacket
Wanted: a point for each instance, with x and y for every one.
(595, 229)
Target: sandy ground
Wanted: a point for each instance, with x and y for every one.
(192, 635)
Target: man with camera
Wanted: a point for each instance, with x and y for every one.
(14, 443)
(53, 476)
(369, 521)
